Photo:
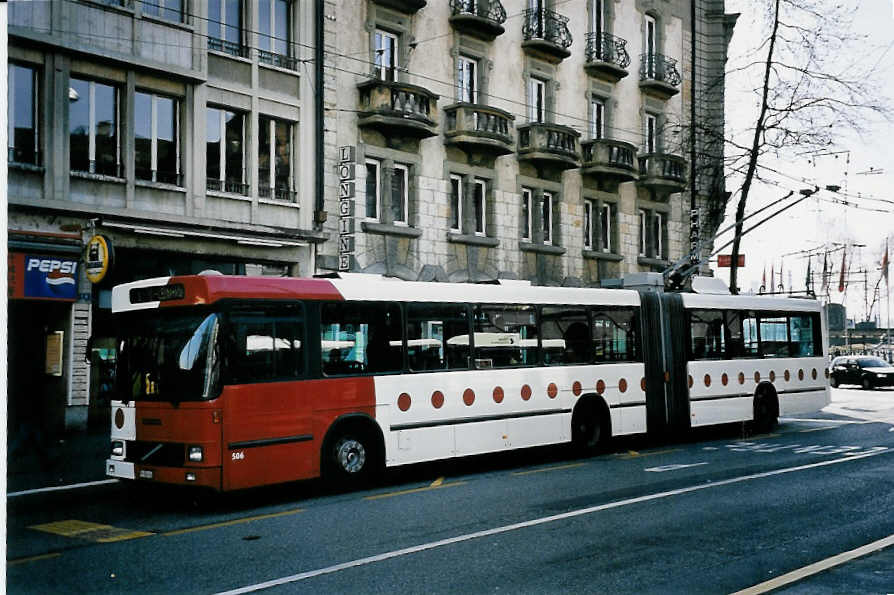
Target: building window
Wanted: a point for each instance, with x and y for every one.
(536, 100)
(21, 105)
(650, 46)
(225, 27)
(651, 133)
(373, 184)
(527, 212)
(605, 227)
(643, 217)
(547, 218)
(171, 10)
(225, 150)
(456, 203)
(275, 33)
(597, 118)
(467, 80)
(400, 194)
(157, 138)
(386, 62)
(275, 159)
(588, 225)
(597, 17)
(658, 224)
(480, 204)
(93, 118)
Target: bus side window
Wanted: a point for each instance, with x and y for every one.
(774, 336)
(732, 328)
(437, 336)
(265, 346)
(361, 337)
(706, 330)
(749, 336)
(614, 335)
(565, 335)
(505, 336)
(802, 334)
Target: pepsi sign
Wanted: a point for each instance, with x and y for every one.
(34, 276)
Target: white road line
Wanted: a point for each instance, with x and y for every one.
(829, 421)
(73, 486)
(817, 567)
(664, 468)
(294, 578)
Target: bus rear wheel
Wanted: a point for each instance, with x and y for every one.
(765, 414)
(589, 432)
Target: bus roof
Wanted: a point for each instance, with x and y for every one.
(750, 302)
(207, 289)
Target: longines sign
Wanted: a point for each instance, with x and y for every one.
(346, 187)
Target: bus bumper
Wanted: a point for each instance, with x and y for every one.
(208, 477)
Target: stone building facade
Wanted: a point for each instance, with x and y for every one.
(519, 138)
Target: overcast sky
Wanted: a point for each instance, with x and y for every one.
(818, 220)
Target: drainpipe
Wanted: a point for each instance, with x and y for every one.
(319, 212)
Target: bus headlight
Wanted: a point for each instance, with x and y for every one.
(118, 448)
(195, 454)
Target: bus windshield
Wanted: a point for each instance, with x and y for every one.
(171, 356)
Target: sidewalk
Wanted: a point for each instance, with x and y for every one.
(75, 458)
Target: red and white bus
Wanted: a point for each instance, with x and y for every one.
(231, 382)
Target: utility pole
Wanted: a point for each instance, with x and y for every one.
(694, 227)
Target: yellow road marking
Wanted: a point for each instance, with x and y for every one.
(555, 468)
(416, 490)
(33, 559)
(632, 454)
(90, 531)
(437, 482)
(249, 519)
(817, 567)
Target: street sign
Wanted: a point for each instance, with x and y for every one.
(346, 189)
(726, 260)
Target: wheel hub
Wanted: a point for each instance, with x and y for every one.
(351, 455)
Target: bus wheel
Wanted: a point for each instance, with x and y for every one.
(352, 456)
(589, 431)
(765, 414)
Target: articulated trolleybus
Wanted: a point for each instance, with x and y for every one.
(231, 382)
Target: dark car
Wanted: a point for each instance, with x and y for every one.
(868, 372)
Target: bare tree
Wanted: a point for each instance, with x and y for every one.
(810, 92)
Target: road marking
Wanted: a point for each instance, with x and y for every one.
(554, 468)
(61, 488)
(294, 578)
(818, 429)
(90, 531)
(239, 521)
(33, 559)
(437, 482)
(828, 421)
(632, 454)
(817, 567)
(664, 468)
(415, 490)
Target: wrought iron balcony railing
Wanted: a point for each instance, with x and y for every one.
(277, 193)
(226, 186)
(491, 10)
(605, 47)
(227, 47)
(277, 60)
(547, 25)
(658, 67)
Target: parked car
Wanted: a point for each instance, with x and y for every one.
(868, 372)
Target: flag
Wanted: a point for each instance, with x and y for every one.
(825, 282)
(781, 277)
(807, 282)
(841, 283)
(885, 262)
(772, 278)
(764, 280)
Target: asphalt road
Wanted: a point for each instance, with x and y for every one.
(808, 506)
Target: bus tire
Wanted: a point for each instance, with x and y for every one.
(590, 428)
(352, 454)
(766, 410)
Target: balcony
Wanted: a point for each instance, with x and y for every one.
(607, 57)
(611, 159)
(549, 144)
(479, 18)
(546, 35)
(662, 172)
(397, 109)
(479, 128)
(658, 76)
(407, 6)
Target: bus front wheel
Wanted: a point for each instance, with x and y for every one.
(352, 456)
